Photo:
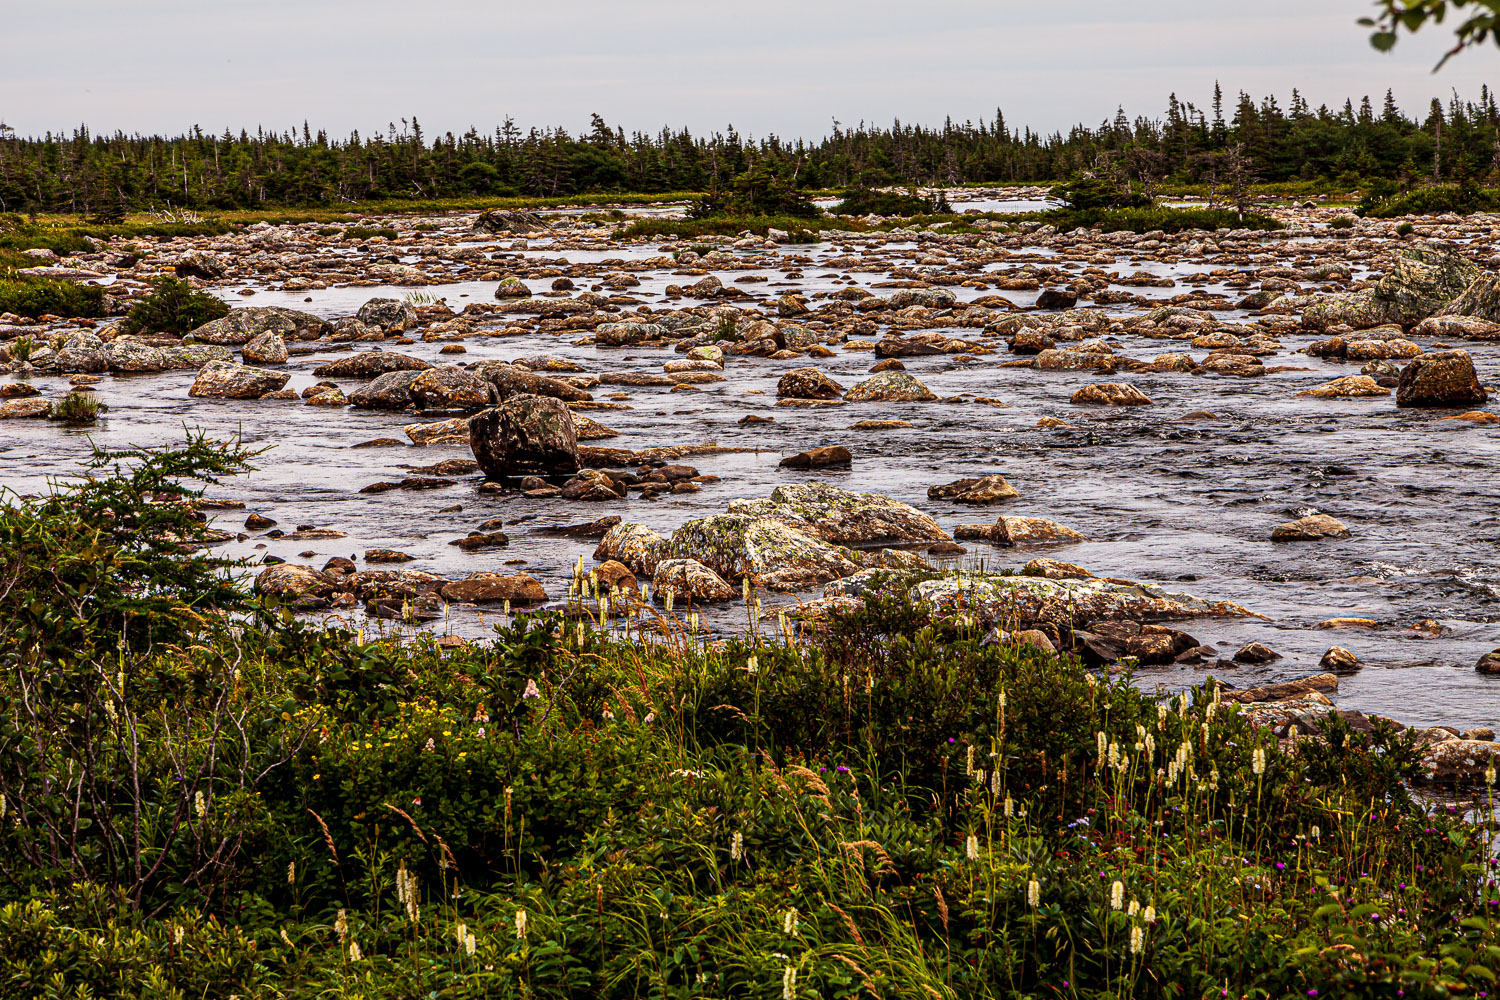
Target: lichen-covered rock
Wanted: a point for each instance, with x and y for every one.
(227, 380)
(390, 315)
(1460, 326)
(1421, 282)
(14, 409)
(449, 387)
(243, 325)
(371, 584)
(199, 264)
(454, 430)
(770, 552)
(807, 383)
(984, 490)
(502, 221)
(889, 387)
(932, 298)
(689, 579)
(391, 391)
(635, 546)
(1380, 350)
(624, 334)
(369, 364)
(525, 435)
(513, 380)
(189, 357)
(81, 352)
(841, 516)
(493, 588)
(1481, 300)
(267, 349)
(1443, 378)
(124, 356)
(512, 287)
(1347, 387)
(1458, 762)
(1010, 530)
(292, 580)
(1112, 394)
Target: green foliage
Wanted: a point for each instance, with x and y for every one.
(763, 190)
(1459, 200)
(801, 230)
(174, 306)
(1405, 229)
(1146, 220)
(78, 408)
(1480, 22)
(366, 232)
(1342, 222)
(28, 296)
(1085, 194)
(866, 201)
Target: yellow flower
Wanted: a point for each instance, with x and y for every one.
(317, 776)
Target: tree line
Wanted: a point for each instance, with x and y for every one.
(1457, 142)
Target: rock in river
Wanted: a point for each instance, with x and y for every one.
(525, 435)
(841, 516)
(1347, 387)
(391, 391)
(986, 490)
(449, 387)
(370, 364)
(1112, 394)
(227, 380)
(690, 579)
(243, 325)
(390, 315)
(635, 546)
(770, 552)
(1443, 378)
(889, 387)
(492, 588)
(808, 383)
(1310, 529)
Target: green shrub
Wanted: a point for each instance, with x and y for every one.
(174, 306)
(1459, 200)
(1089, 193)
(762, 190)
(1342, 222)
(865, 201)
(78, 408)
(1146, 220)
(1405, 229)
(366, 232)
(27, 296)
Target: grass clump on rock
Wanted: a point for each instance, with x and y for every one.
(888, 804)
(174, 306)
(78, 408)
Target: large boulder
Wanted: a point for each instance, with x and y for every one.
(635, 546)
(807, 383)
(82, 352)
(984, 490)
(525, 435)
(841, 516)
(199, 264)
(245, 324)
(1480, 300)
(1443, 378)
(126, 356)
(391, 391)
(689, 579)
(390, 315)
(1111, 394)
(227, 380)
(369, 364)
(267, 349)
(770, 552)
(1311, 528)
(1421, 282)
(449, 387)
(889, 387)
(292, 580)
(1347, 387)
(492, 588)
(502, 222)
(193, 356)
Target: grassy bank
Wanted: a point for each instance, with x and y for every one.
(203, 797)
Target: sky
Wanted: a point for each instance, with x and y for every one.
(783, 67)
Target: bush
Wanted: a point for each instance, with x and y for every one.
(1089, 193)
(1459, 200)
(174, 306)
(1405, 229)
(78, 408)
(760, 191)
(27, 296)
(1342, 222)
(864, 201)
(1146, 220)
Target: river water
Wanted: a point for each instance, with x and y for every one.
(1186, 503)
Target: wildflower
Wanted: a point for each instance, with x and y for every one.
(285, 939)
(1258, 761)
(1133, 908)
(291, 873)
(520, 925)
(177, 934)
(469, 943)
(531, 689)
(1489, 773)
(2, 806)
(737, 846)
(1316, 833)
(200, 804)
(341, 926)
(1102, 742)
(1137, 939)
(429, 746)
(461, 932)
(1002, 700)
(971, 848)
(1149, 916)
(969, 765)
(789, 922)
(1117, 895)
(1010, 807)
(789, 983)
(354, 953)
(1033, 893)
(753, 665)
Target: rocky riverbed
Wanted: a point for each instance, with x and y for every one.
(1196, 442)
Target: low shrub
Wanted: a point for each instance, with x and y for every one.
(78, 408)
(174, 306)
(1440, 200)
(28, 296)
(866, 201)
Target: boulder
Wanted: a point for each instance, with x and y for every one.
(227, 380)
(841, 516)
(1489, 663)
(189, 357)
(1032, 531)
(501, 222)
(769, 552)
(1112, 394)
(1347, 387)
(369, 364)
(1319, 683)
(81, 352)
(267, 349)
(1443, 378)
(1056, 298)
(1255, 652)
(126, 356)
(1421, 282)
(449, 387)
(635, 546)
(1312, 528)
(624, 334)
(513, 380)
(689, 579)
(1337, 659)
(13, 409)
(985, 490)
(1480, 301)
(808, 383)
(245, 324)
(292, 580)
(199, 264)
(493, 588)
(391, 391)
(1458, 326)
(889, 387)
(525, 435)
(512, 287)
(389, 315)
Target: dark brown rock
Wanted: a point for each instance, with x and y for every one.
(1443, 378)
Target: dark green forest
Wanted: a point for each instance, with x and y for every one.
(1354, 145)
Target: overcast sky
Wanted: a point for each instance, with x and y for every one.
(783, 66)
